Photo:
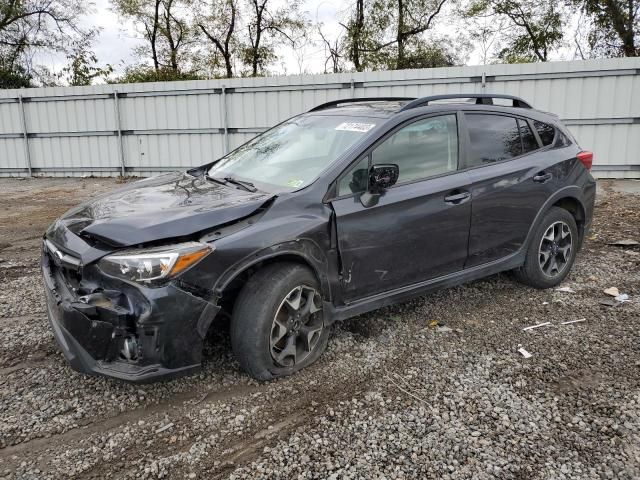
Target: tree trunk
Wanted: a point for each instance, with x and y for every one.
(629, 41)
(154, 36)
(357, 38)
(173, 49)
(400, 36)
(227, 53)
(255, 60)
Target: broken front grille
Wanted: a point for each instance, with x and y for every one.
(69, 266)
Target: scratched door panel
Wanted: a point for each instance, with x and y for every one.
(411, 235)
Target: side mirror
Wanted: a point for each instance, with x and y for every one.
(381, 177)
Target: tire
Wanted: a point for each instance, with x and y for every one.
(264, 307)
(538, 270)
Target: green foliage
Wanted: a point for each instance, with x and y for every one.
(615, 28)
(16, 78)
(30, 26)
(83, 66)
(146, 73)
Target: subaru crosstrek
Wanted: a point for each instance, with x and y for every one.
(351, 206)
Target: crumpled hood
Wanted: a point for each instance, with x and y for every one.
(163, 207)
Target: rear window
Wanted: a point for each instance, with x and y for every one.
(493, 138)
(546, 132)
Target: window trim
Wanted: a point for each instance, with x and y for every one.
(468, 167)
(334, 195)
(528, 123)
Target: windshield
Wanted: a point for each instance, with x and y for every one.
(291, 155)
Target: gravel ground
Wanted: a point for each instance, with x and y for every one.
(393, 397)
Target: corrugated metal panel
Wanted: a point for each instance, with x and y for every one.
(74, 130)
(74, 153)
(10, 118)
(12, 155)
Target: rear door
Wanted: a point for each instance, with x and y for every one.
(512, 176)
(419, 228)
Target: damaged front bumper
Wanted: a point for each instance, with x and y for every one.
(112, 328)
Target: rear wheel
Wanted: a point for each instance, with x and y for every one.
(278, 324)
(552, 250)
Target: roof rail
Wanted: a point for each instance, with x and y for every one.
(334, 103)
(481, 99)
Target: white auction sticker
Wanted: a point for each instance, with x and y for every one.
(355, 127)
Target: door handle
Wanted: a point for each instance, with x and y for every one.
(542, 177)
(457, 197)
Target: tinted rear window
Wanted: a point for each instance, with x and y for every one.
(493, 138)
(545, 131)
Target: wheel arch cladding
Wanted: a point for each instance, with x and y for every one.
(575, 208)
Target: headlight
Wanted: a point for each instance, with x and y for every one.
(150, 264)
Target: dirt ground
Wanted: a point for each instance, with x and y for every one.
(393, 397)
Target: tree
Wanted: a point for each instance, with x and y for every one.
(357, 37)
(16, 77)
(333, 52)
(27, 26)
(413, 18)
(164, 28)
(218, 25)
(266, 28)
(390, 34)
(534, 31)
(615, 26)
(83, 65)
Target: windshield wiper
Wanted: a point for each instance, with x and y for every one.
(248, 186)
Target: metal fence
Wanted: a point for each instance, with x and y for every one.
(142, 129)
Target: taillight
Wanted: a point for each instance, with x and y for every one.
(586, 158)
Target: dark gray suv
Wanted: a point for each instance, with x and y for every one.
(351, 206)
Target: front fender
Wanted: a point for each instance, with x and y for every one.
(304, 250)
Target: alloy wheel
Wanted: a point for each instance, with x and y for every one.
(297, 326)
(555, 249)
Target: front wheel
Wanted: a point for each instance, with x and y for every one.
(551, 251)
(278, 324)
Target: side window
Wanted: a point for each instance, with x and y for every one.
(529, 142)
(422, 149)
(545, 131)
(355, 180)
(493, 138)
(562, 141)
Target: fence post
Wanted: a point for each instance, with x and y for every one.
(225, 121)
(25, 135)
(353, 88)
(116, 103)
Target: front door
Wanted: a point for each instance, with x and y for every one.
(419, 228)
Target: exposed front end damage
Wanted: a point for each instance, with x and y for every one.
(105, 326)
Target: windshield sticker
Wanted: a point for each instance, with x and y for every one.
(295, 183)
(355, 127)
